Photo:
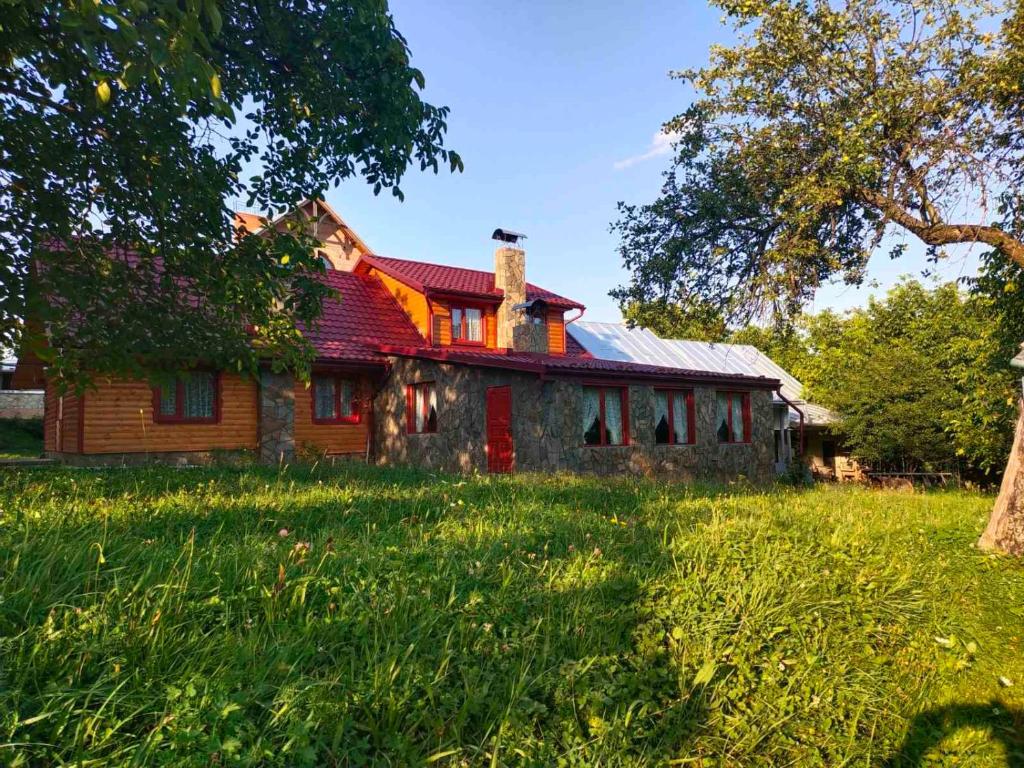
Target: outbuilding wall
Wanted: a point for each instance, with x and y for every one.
(547, 428)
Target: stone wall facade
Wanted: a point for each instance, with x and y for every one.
(21, 404)
(547, 428)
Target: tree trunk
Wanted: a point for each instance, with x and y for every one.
(1005, 529)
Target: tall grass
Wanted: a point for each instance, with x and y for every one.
(357, 616)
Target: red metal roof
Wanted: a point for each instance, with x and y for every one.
(437, 278)
(353, 327)
(587, 367)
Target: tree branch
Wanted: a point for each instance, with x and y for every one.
(941, 233)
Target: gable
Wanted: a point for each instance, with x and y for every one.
(340, 244)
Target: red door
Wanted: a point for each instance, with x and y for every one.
(499, 429)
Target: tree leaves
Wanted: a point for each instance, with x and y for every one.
(124, 142)
(824, 124)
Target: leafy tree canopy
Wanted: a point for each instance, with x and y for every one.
(824, 125)
(126, 126)
(918, 377)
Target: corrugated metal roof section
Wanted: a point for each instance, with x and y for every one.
(615, 341)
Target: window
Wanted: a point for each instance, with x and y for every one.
(733, 417)
(467, 325)
(421, 407)
(673, 417)
(605, 416)
(334, 400)
(325, 260)
(191, 398)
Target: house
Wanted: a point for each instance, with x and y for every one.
(440, 367)
(18, 400)
(799, 427)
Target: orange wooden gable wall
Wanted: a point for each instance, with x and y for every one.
(409, 299)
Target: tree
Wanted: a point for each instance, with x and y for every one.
(824, 126)
(672, 320)
(127, 126)
(917, 379)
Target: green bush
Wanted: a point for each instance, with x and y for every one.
(21, 437)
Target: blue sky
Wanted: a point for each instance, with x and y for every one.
(550, 100)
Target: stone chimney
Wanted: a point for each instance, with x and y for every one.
(510, 277)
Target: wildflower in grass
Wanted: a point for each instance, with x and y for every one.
(572, 548)
(597, 551)
(283, 532)
(487, 627)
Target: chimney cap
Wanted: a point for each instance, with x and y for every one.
(507, 235)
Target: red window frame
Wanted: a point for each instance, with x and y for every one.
(691, 426)
(462, 340)
(410, 409)
(178, 417)
(744, 408)
(338, 379)
(602, 392)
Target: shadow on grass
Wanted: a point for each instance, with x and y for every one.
(932, 726)
(507, 645)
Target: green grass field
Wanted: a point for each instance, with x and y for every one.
(359, 616)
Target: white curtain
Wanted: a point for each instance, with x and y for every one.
(661, 425)
(421, 393)
(323, 397)
(723, 417)
(199, 394)
(347, 396)
(431, 407)
(613, 416)
(456, 323)
(679, 418)
(474, 325)
(737, 418)
(169, 398)
(591, 416)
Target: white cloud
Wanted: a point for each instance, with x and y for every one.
(661, 144)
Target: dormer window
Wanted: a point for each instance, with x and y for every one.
(467, 325)
(326, 260)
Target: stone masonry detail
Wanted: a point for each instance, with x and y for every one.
(277, 417)
(547, 428)
(510, 277)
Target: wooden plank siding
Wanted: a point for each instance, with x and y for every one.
(331, 439)
(491, 327)
(119, 419)
(409, 299)
(442, 324)
(62, 421)
(556, 332)
(49, 417)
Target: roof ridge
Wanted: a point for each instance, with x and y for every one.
(435, 264)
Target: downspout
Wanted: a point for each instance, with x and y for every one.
(574, 319)
(796, 408)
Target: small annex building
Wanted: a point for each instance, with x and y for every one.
(441, 367)
(796, 422)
